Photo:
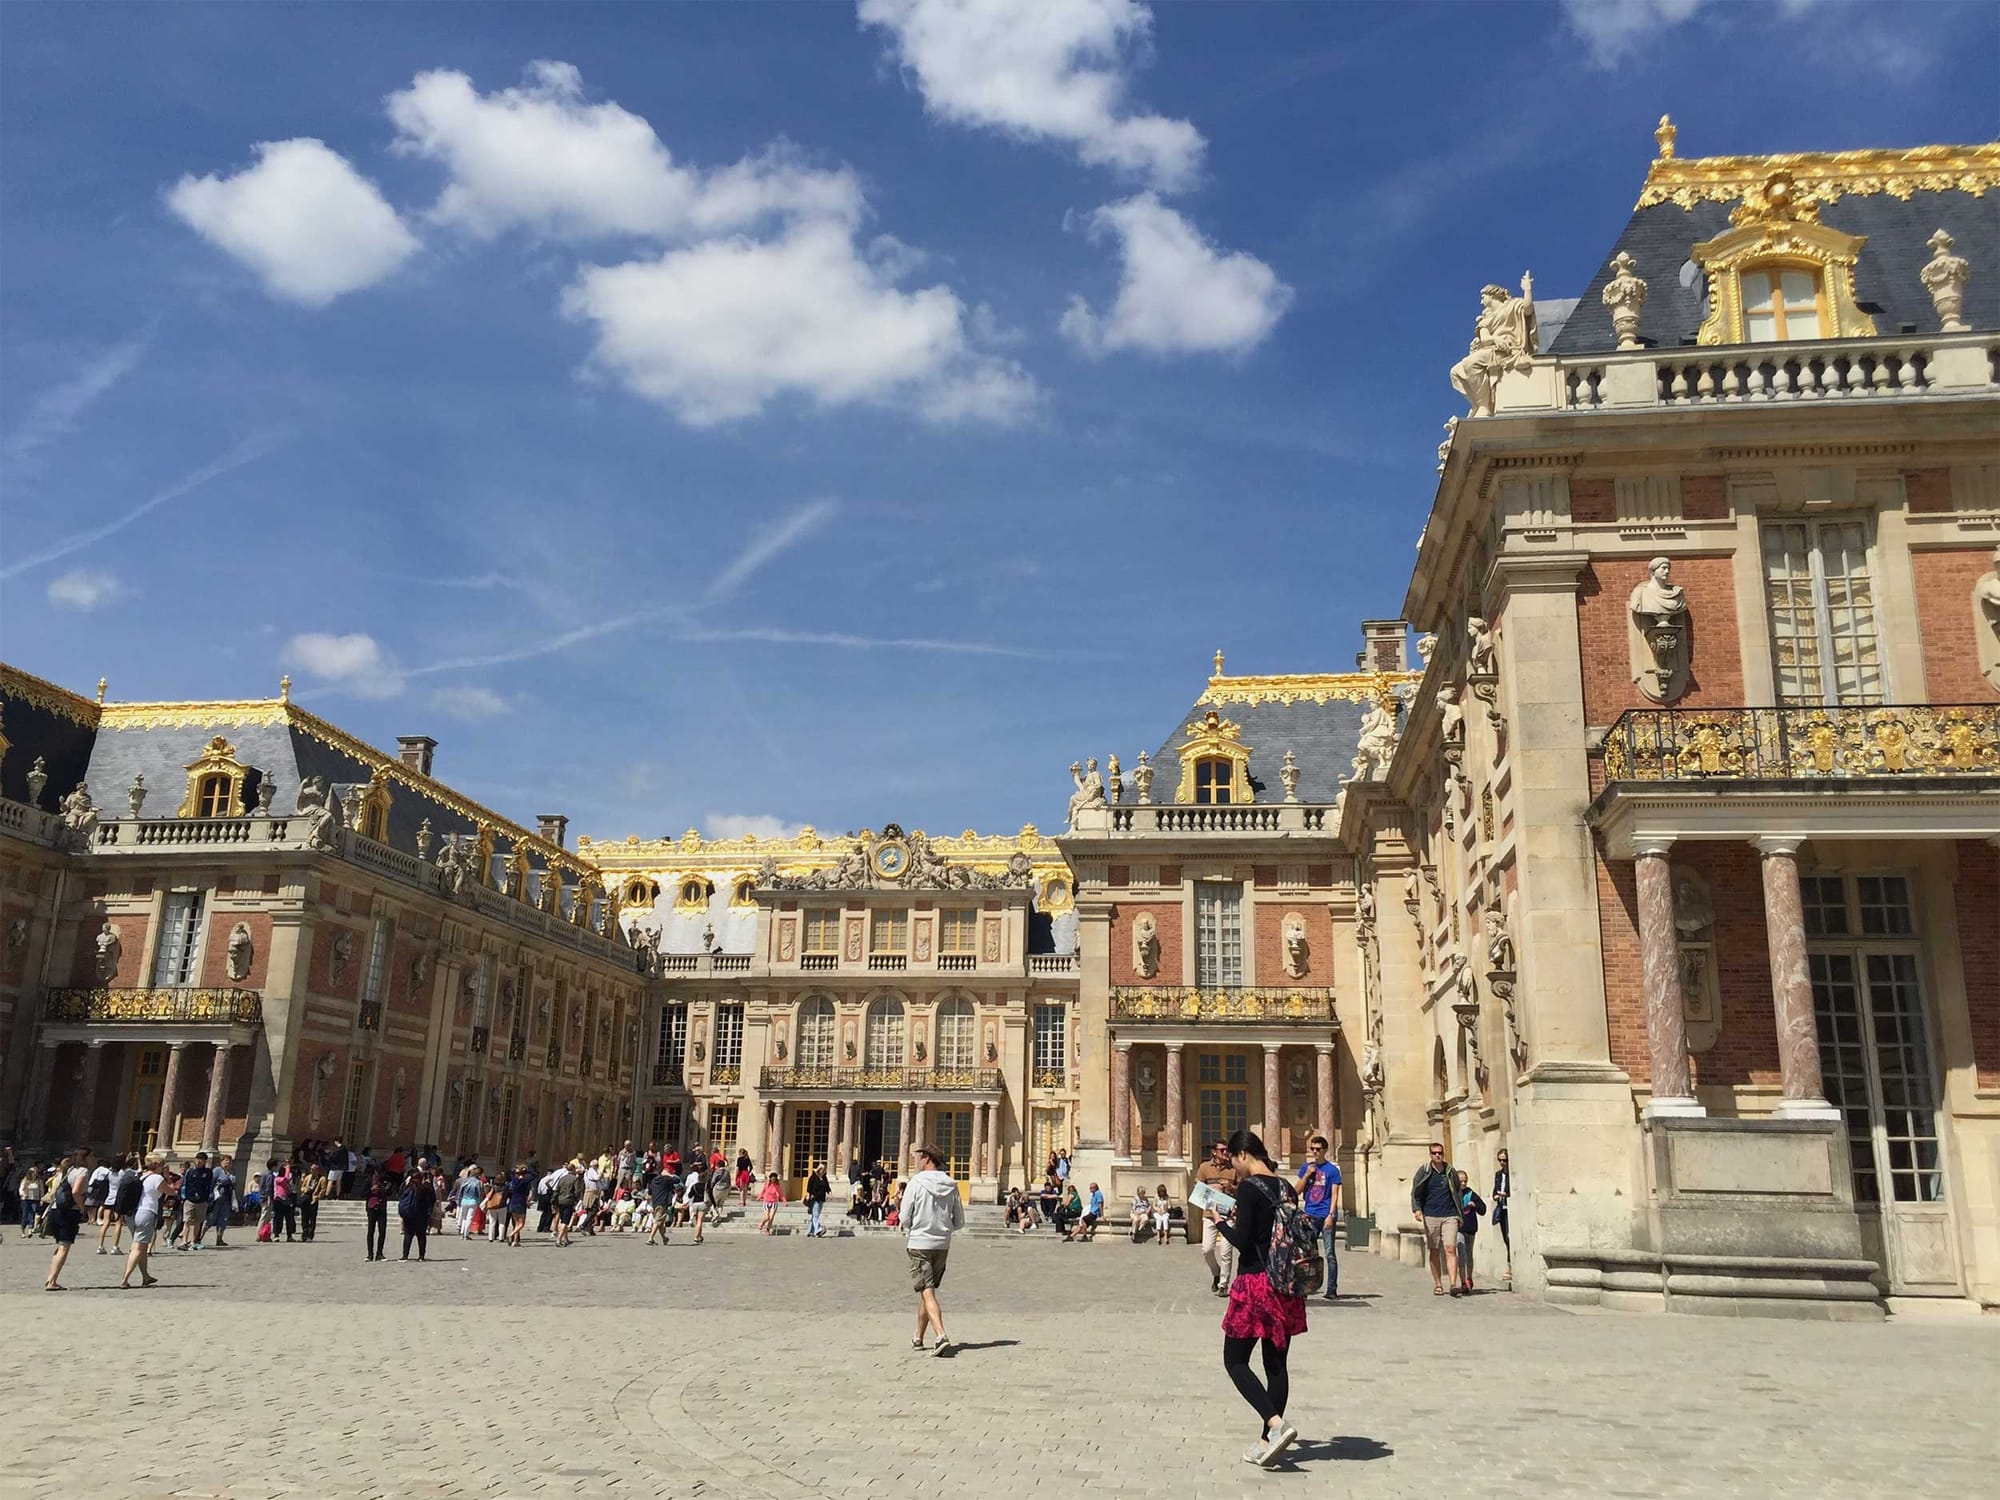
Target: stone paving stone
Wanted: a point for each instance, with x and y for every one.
(753, 1369)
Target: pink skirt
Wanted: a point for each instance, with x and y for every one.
(1257, 1312)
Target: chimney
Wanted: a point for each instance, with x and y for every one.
(416, 751)
(552, 826)
(1385, 645)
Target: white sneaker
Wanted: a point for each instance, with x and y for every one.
(1277, 1443)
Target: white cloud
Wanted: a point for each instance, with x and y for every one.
(539, 157)
(1042, 69)
(748, 825)
(1613, 30)
(302, 218)
(356, 663)
(1177, 293)
(715, 331)
(82, 589)
(55, 412)
(472, 705)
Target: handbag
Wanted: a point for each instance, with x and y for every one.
(264, 1233)
(478, 1224)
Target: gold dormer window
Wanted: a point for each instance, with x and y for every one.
(375, 814)
(743, 892)
(1780, 275)
(642, 892)
(214, 783)
(693, 894)
(1215, 763)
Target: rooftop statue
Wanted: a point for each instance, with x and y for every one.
(1089, 791)
(1944, 277)
(1506, 337)
(1625, 295)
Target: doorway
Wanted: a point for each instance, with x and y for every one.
(951, 1132)
(811, 1130)
(1877, 1069)
(882, 1136)
(148, 1079)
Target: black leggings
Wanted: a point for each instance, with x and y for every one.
(378, 1231)
(415, 1232)
(1268, 1398)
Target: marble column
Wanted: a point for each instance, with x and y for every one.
(1791, 985)
(1121, 1101)
(773, 1111)
(853, 1130)
(218, 1090)
(35, 1109)
(84, 1110)
(917, 1132)
(1324, 1109)
(836, 1140)
(979, 1139)
(170, 1088)
(1660, 983)
(909, 1145)
(1272, 1116)
(1173, 1136)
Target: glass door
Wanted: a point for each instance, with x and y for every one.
(811, 1131)
(951, 1130)
(147, 1079)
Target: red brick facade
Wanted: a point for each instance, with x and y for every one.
(1977, 891)
(1704, 497)
(1168, 915)
(1927, 491)
(1949, 629)
(1270, 943)
(1592, 500)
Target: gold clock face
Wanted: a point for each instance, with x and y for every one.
(892, 858)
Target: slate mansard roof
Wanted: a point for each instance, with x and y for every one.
(1894, 199)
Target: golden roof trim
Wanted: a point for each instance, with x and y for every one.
(807, 850)
(1824, 176)
(43, 694)
(1304, 687)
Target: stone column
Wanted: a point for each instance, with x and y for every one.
(836, 1140)
(1791, 985)
(1272, 1112)
(1660, 983)
(1121, 1100)
(35, 1107)
(772, 1113)
(979, 1139)
(1324, 1108)
(853, 1130)
(218, 1091)
(170, 1086)
(1173, 1137)
(917, 1131)
(903, 1156)
(85, 1108)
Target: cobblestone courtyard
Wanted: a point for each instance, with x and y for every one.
(753, 1368)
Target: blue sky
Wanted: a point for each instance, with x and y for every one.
(735, 416)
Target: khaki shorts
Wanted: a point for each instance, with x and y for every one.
(1438, 1233)
(927, 1267)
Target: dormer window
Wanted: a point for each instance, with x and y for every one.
(1781, 303)
(641, 892)
(693, 894)
(1214, 780)
(215, 797)
(375, 823)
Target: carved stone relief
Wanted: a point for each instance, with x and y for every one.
(1145, 945)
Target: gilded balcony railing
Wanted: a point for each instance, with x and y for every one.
(85, 1005)
(667, 1074)
(1813, 743)
(369, 1017)
(727, 1077)
(1220, 1005)
(896, 1080)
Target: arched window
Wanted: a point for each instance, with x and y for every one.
(641, 892)
(744, 891)
(883, 1036)
(815, 1048)
(693, 894)
(1781, 303)
(1214, 780)
(955, 1041)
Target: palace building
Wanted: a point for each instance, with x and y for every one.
(1657, 842)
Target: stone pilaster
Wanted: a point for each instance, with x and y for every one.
(1659, 969)
(1093, 1023)
(1791, 984)
(35, 1104)
(84, 1108)
(287, 977)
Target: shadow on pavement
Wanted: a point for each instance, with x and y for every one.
(959, 1347)
(1345, 1449)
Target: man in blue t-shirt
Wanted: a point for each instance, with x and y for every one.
(1319, 1197)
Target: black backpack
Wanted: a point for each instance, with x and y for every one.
(127, 1202)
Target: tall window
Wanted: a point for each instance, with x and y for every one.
(673, 1039)
(482, 988)
(378, 957)
(1214, 780)
(667, 1125)
(822, 932)
(1824, 645)
(1051, 1037)
(729, 1036)
(352, 1119)
(815, 1046)
(883, 1039)
(722, 1128)
(1780, 303)
(1222, 1094)
(212, 799)
(954, 1034)
(958, 931)
(889, 932)
(1218, 933)
(179, 956)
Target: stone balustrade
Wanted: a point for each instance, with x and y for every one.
(30, 823)
(1052, 965)
(1812, 743)
(1207, 818)
(1902, 368)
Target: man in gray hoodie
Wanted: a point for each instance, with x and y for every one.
(931, 1214)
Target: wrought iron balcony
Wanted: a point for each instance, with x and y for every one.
(369, 1017)
(552, 1060)
(667, 1074)
(1224, 1005)
(482, 1038)
(1804, 744)
(727, 1077)
(83, 1005)
(886, 1080)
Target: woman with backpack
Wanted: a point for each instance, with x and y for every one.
(65, 1216)
(375, 1199)
(1258, 1311)
(415, 1206)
